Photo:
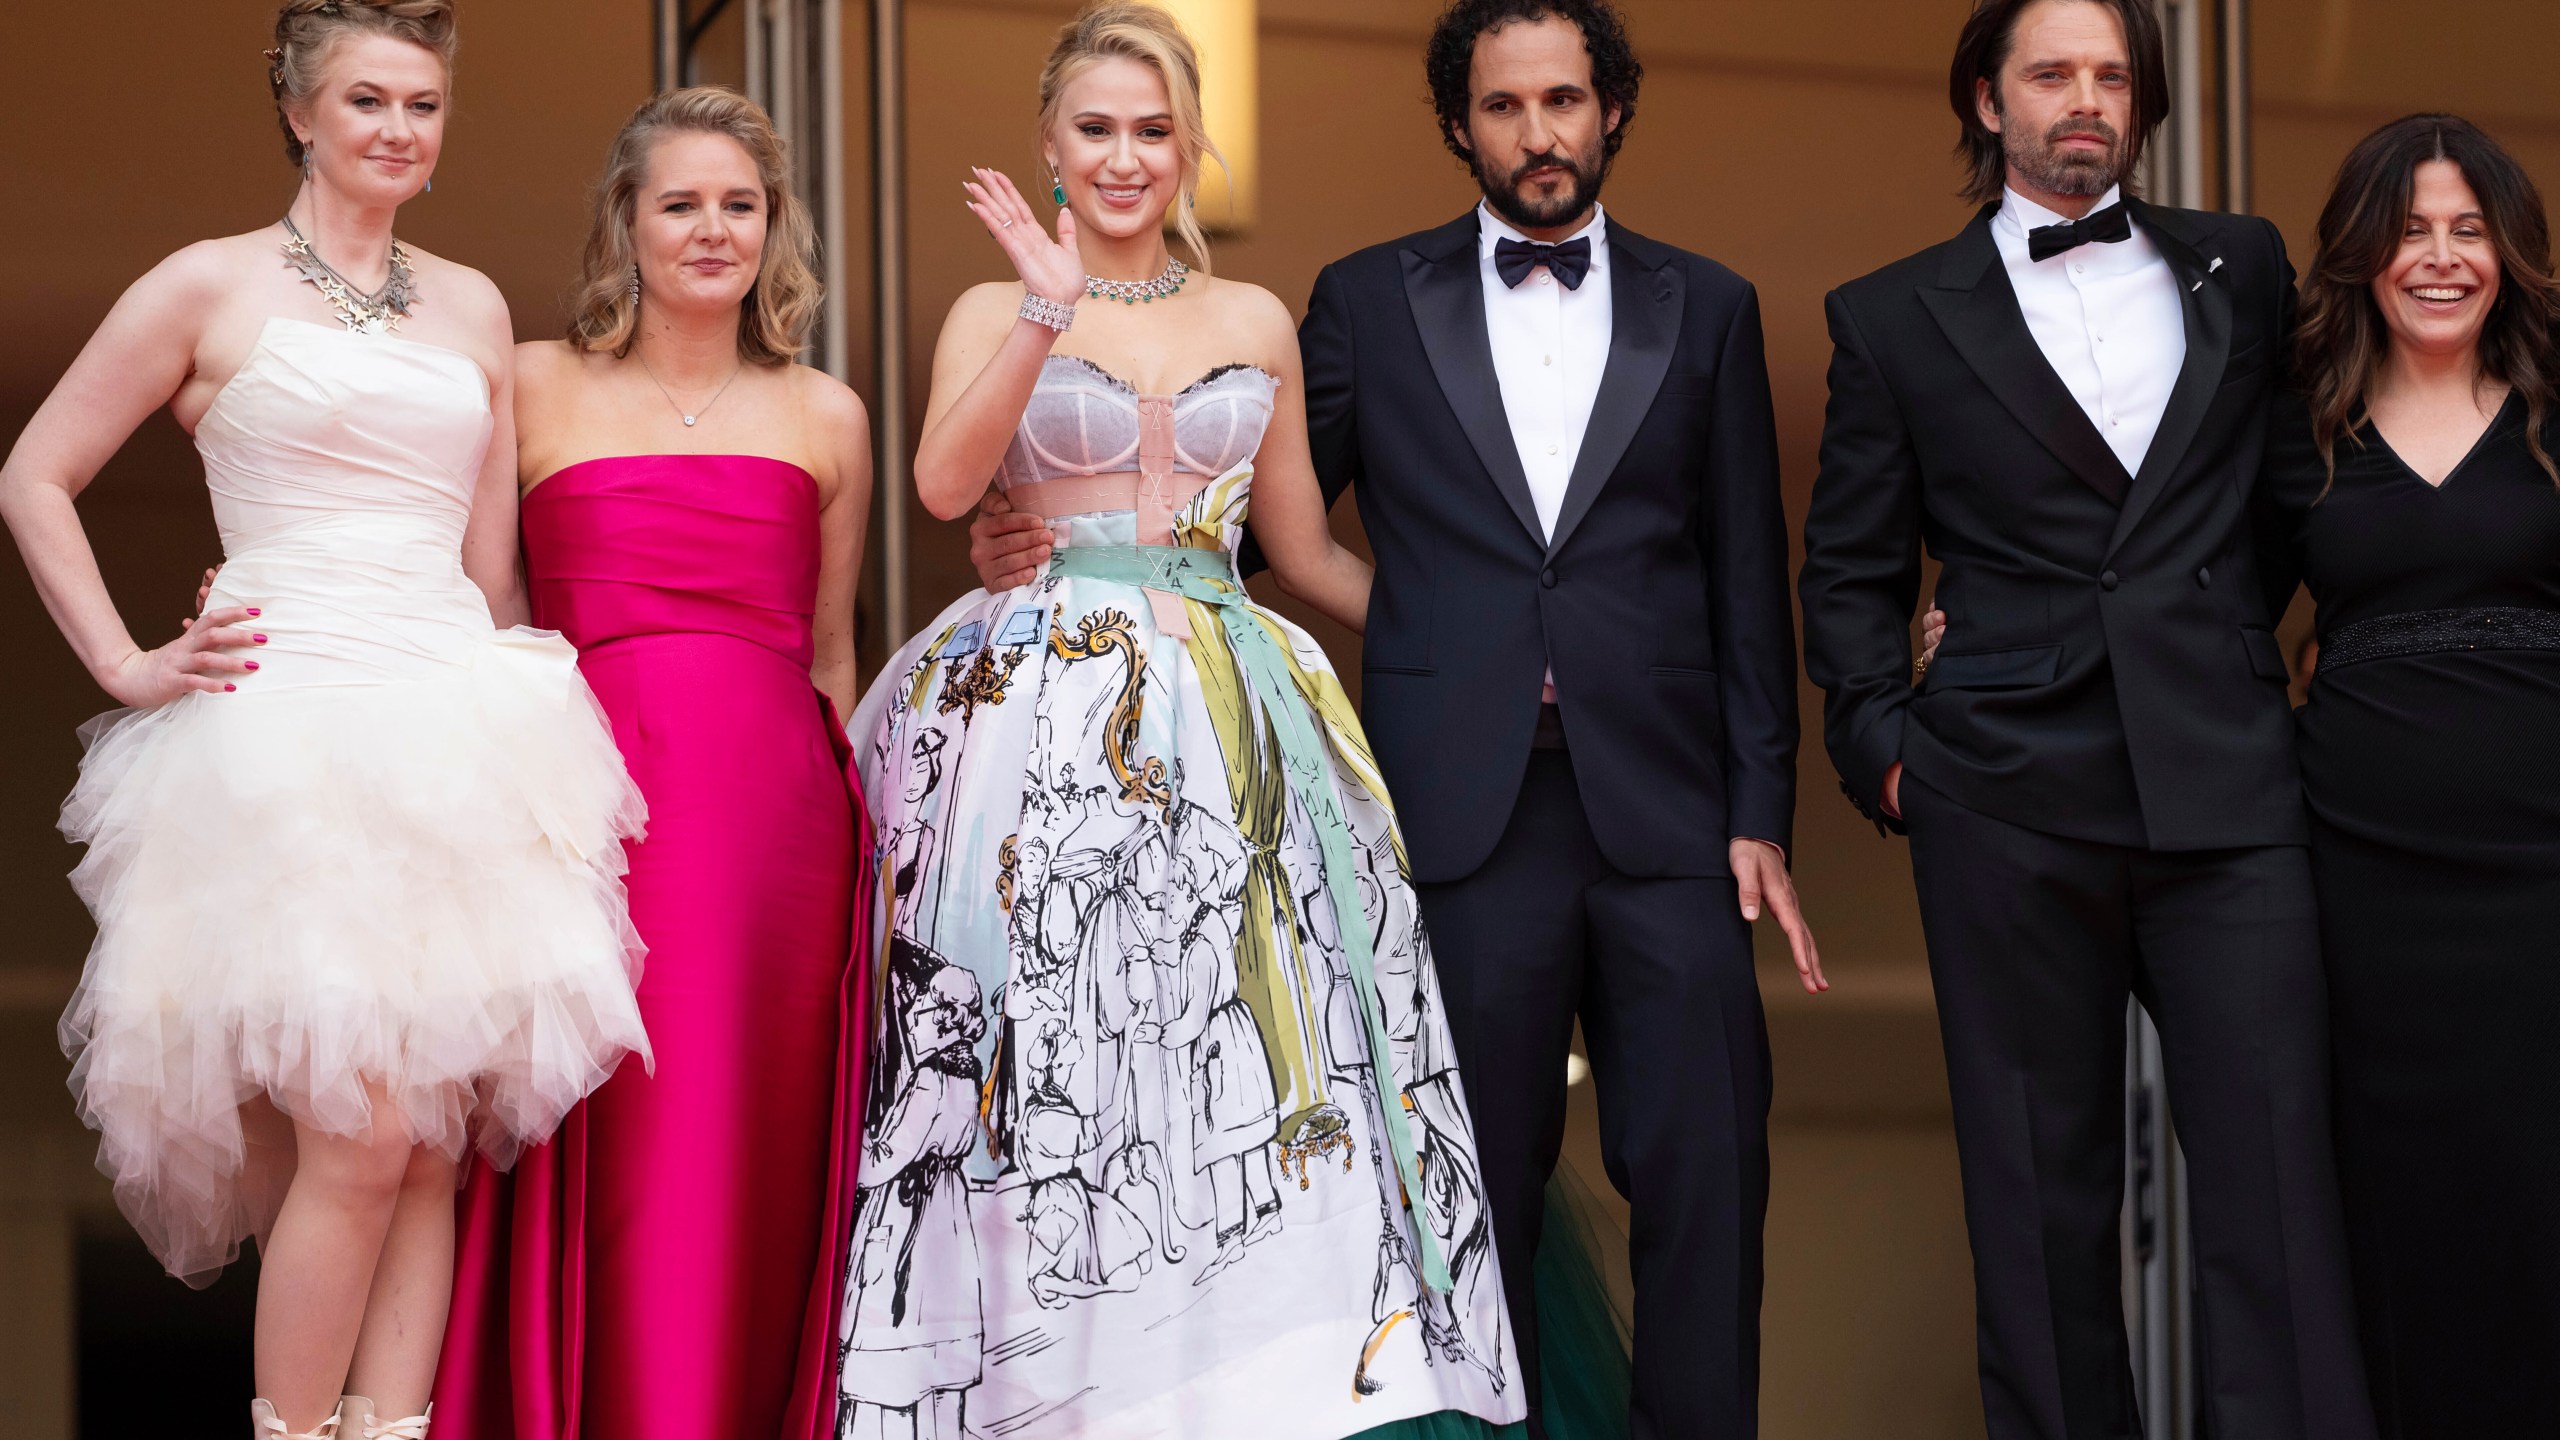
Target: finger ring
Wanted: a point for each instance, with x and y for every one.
(1004, 225)
(1920, 667)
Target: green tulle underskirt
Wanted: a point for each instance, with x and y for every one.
(1582, 1340)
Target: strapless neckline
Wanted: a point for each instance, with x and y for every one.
(259, 347)
(547, 481)
(1214, 374)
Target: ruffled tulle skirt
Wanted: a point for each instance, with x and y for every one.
(318, 902)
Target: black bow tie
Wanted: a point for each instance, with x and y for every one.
(2110, 226)
(1568, 262)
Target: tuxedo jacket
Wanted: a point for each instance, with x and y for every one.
(1660, 602)
(2110, 671)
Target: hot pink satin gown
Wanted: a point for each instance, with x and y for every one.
(666, 1268)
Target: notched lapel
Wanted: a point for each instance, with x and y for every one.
(1644, 328)
(2204, 296)
(1447, 296)
(1978, 309)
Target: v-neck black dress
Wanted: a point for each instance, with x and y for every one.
(2431, 760)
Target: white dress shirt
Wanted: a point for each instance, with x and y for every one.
(1549, 346)
(2107, 318)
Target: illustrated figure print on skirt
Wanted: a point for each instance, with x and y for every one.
(1123, 845)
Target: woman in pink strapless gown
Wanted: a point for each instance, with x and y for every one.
(665, 1269)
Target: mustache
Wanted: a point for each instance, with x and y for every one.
(1546, 159)
(2095, 129)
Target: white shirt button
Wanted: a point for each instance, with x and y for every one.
(1546, 359)
(1551, 449)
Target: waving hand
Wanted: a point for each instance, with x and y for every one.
(1050, 269)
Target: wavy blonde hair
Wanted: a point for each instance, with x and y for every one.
(307, 30)
(782, 304)
(1127, 30)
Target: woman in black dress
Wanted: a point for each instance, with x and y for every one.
(2412, 484)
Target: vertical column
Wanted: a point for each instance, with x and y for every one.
(835, 346)
(670, 44)
(2237, 148)
(889, 302)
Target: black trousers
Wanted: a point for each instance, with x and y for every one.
(2034, 944)
(1659, 970)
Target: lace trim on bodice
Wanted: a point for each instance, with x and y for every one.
(1083, 420)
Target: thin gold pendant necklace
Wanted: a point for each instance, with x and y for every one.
(671, 399)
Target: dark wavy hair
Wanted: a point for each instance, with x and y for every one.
(1983, 49)
(1615, 74)
(2341, 339)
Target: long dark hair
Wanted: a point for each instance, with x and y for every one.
(2340, 339)
(1983, 49)
(1451, 55)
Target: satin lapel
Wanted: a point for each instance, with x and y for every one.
(2205, 298)
(1447, 297)
(1978, 309)
(1644, 325)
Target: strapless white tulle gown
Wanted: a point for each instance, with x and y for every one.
(389, 864)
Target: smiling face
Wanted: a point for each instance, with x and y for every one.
(698, 223)
(1115, 149)
(2064, 105)
(2437, 289)
(1535, 134)
(375, 125)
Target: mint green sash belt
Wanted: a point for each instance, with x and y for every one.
(1209, 577)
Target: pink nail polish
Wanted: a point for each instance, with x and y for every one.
(252, 664)
(261, 639)
(253, 612)
(230, 687)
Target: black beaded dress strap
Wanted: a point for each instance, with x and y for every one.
(2433, 632)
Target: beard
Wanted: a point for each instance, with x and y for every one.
(2056, 171)
(1517, 203)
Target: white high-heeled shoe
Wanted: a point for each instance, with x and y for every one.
(356, 1422)
(266, 1424)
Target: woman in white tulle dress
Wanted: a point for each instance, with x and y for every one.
(355, 847)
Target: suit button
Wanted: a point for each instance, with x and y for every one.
(1547, 578)
(2204, 578)
(2107, 581)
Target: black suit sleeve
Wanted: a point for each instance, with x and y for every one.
(1333, 437)
(1745, 542)
(1861, 578)
(2277, 507)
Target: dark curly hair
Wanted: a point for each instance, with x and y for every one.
(1615, 74)
(2341, 339)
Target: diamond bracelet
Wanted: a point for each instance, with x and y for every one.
(1040, 310)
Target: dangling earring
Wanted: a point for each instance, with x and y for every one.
(1057, 188)
(431, 184)
(308, 150)
(635, 284)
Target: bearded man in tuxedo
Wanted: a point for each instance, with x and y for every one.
(2066, 405)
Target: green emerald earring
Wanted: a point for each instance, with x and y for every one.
(1057, 190)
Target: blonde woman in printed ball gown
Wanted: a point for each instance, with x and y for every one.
(1165, 1134)
(355, 844)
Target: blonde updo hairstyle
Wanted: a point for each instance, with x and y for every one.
(307, 30)
(779, 308)
(1126, 30)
